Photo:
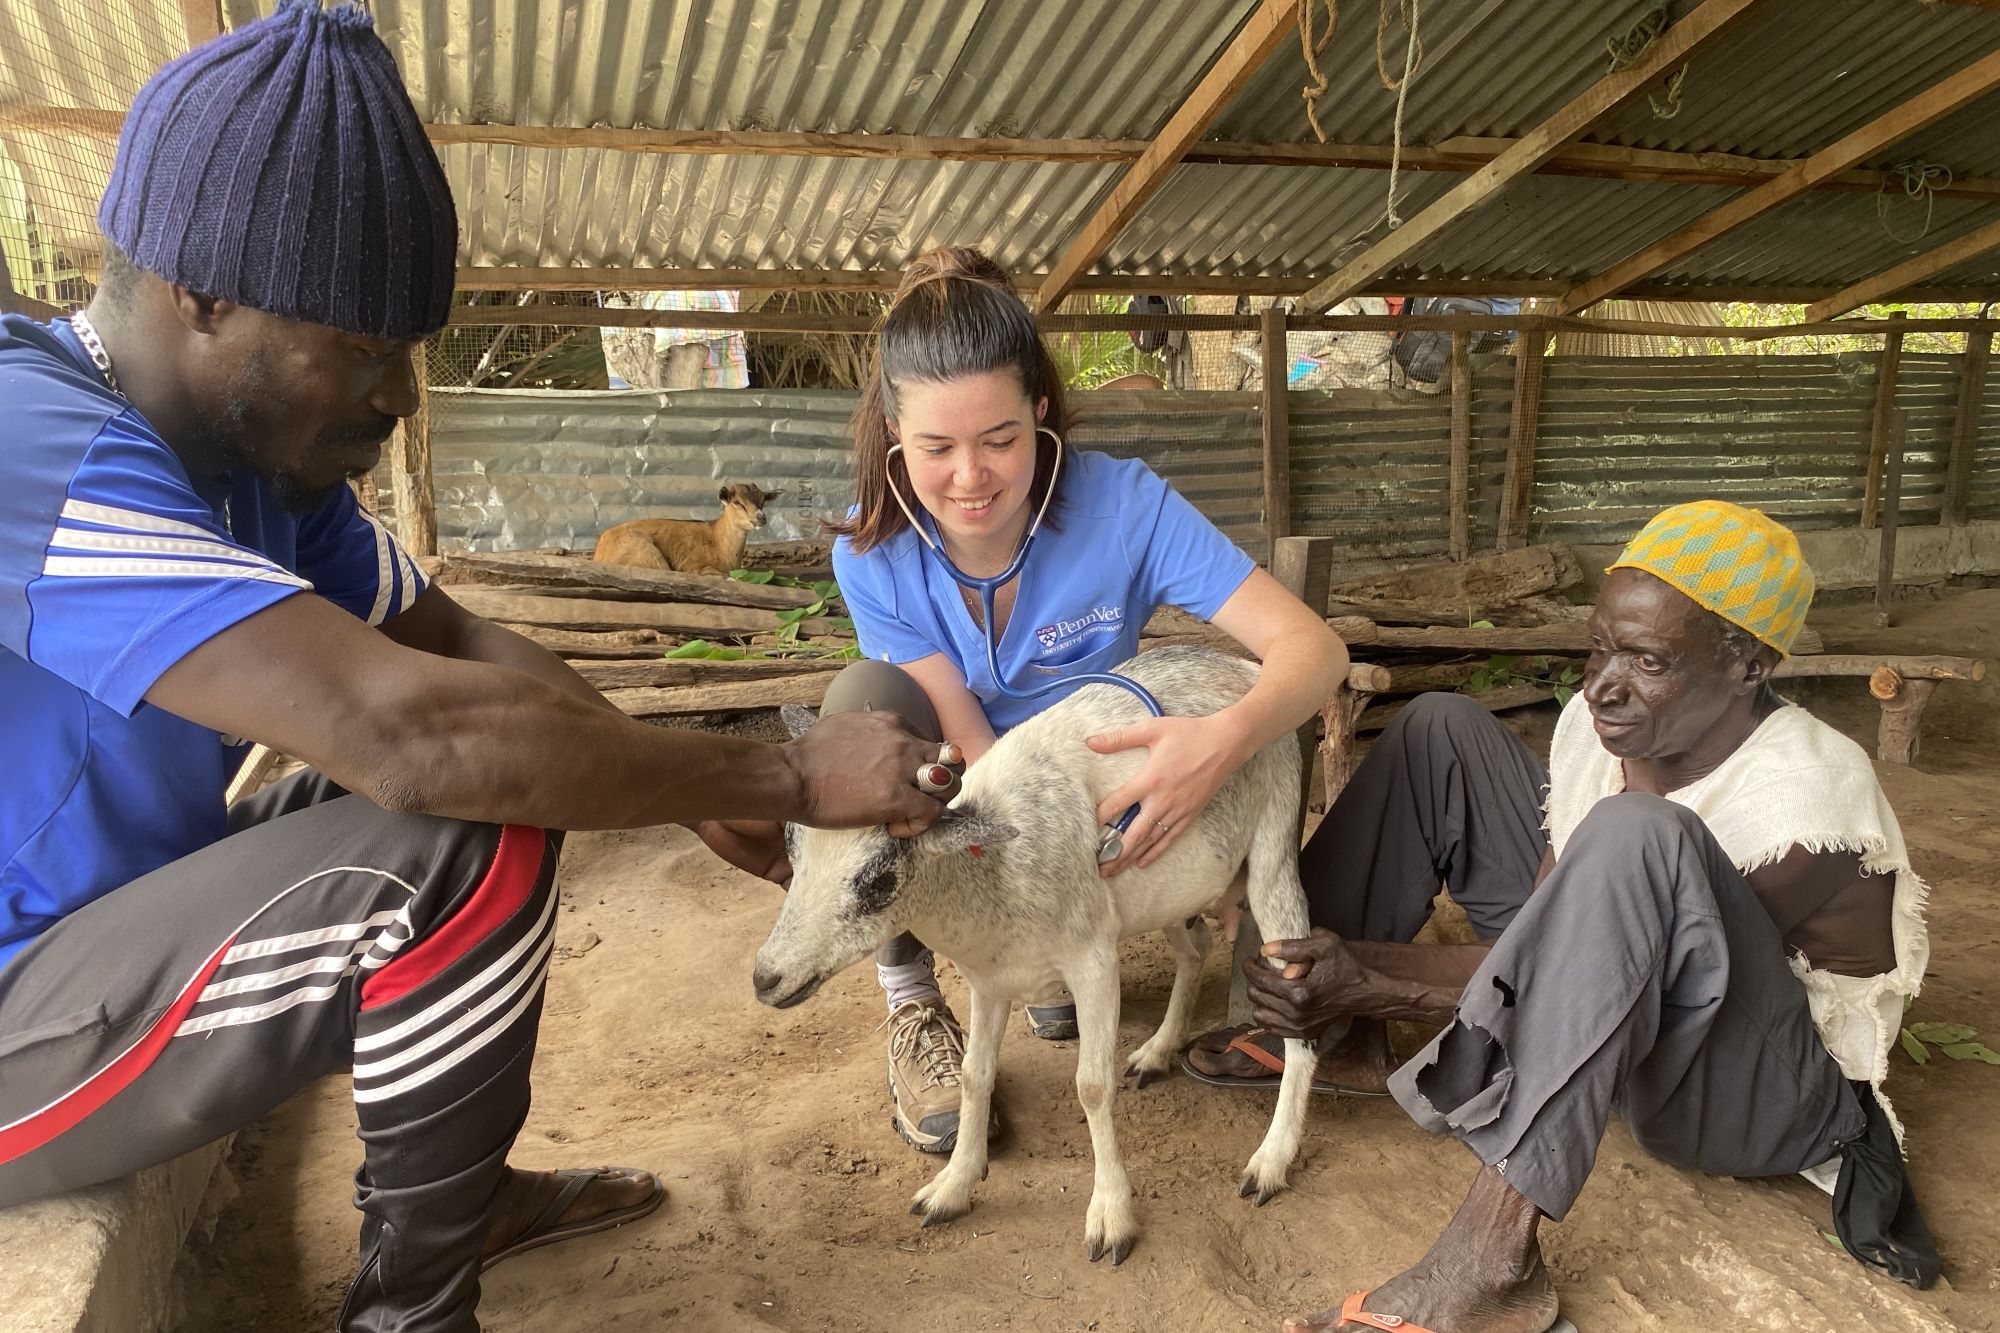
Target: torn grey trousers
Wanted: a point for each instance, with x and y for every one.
(1643, 977)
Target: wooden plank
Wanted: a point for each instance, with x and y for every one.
(682, 618)
(410, 467)
(1890, 359)
(727, 697)
(1260, 35)
(1461, 445)
(1965, 425)
(1908, 273)
(1477, 585)
(1276, 431)
(621, 644)
(577, 572)
(203, 19)
(1892, 509)
(1918, 666)
(1459, 155)
(1934, 103)
(1517, 492)
(662, 673)
(1570, 637)
(1493, 701)
(1531, 150)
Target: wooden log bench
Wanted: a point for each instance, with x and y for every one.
(1903, 684)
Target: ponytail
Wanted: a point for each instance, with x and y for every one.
(954, 314)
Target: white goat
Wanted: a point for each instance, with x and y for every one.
(1006, 886)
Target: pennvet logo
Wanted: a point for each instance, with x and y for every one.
(1101, 620)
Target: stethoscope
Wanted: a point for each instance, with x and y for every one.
(1110, 843)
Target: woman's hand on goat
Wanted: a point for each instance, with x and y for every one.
(1187, 761)
(1320, 983)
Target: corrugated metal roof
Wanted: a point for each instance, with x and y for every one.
(1790, 79)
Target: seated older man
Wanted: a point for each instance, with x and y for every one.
(1713, 934)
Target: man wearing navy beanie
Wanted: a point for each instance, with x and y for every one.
(182, 569)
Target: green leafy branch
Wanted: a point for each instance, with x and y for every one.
(1502, 671)
(825, 593)
(1955, 1040)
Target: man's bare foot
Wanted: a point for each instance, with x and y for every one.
(1358, 1058)
(527, 1194)
(1484, 1274)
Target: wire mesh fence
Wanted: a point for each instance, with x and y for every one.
(61, 63)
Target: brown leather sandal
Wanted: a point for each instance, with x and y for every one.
(1247, 1043)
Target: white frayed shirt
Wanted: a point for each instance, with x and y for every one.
(1796, 782)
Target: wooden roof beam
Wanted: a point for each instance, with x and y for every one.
(1908, 273)
(1260, 35)
(1933, 104)
(1458, 155)
(1532, 149)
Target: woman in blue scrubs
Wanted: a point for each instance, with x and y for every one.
(964, 418)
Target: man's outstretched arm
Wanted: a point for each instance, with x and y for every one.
(472, 740)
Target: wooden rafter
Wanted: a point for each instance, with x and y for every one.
(1933, 104)
(203, 18)
(1910, 272)
(1532, 149)
(1457, 156)
(1260, 35)
(510, 279)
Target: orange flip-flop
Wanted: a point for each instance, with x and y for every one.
(1352, 1313)
(1243, 1044)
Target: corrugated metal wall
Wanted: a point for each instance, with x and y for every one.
(502, 484)
(1620, 438)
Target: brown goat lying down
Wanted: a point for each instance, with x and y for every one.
(687, 544)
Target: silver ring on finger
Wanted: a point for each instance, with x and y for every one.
(933, 779)
(949, 753)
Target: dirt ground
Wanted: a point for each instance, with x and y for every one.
(789, 1188)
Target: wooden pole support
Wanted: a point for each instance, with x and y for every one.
(1884, 683)
(410, 467)
(1892, 504)
(1277, 435)
(1461, 444)
(1878, 430)
(1896, 740)
(1304, 566)
(1517, 496)
(1965, 425)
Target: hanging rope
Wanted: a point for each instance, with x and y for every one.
(1626, 49)
(1312, 47)
(1919, 180)
(1413, 55)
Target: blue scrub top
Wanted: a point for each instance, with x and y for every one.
(1119, 544)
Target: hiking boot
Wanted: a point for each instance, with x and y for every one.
(926, 1054)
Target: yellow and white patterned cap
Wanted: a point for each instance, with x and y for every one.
(1738, 563)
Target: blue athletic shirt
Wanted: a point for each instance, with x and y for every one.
(1126, 545)
(114, 565)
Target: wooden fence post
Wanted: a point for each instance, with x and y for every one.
(1461, 444)
(1965, 428)
(1517, 496)
(1892, 505)
(1277, 433)
(410, 467)
(1878, 430)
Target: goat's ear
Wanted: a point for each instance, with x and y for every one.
(798, 719)
(962, 828)
(770, 496)
(722, 493)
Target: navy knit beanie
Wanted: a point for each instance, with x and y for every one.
(282, 167)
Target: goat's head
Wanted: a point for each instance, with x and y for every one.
(743, 502)
(844, 899)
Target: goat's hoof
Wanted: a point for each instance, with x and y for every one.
(1095, 1250)
(942, 1217)
(1246, 1187)
(1121, 1252)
